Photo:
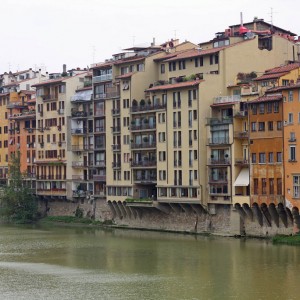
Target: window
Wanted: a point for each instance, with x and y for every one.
(255, 186)
(296, 186)
(290, 96)
(271, 157)
(181, 64)
(271, 186)
(253, 158)
(264, 186)
(279, 186)
(140, 67)
(290, 118)
(216, 59)
(162, 68)
(211, 59)
(254, 109)
(279, 156)
(262, 157)
(162, 155)
(279, 125)
(261, 126)
(276, 107)
(269, 107)
(270, 125)
(285, 82)
(253, 126)
(292, 153)
(162, 137)
(261, 108)
(292, 137)
(172, 66)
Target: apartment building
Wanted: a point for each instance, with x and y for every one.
(55, 128)
(4, 100)
(21, 131)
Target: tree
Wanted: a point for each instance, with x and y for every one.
(17, 203)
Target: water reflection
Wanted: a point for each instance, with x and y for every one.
(76, 263)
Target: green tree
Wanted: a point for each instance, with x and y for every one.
(17, 203)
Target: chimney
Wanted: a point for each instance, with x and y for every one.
(64, 68)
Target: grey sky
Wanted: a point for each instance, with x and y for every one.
(49, 33)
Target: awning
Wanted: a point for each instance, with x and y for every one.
(243, 178)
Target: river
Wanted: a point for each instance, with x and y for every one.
(88, 263)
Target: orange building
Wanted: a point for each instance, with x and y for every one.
(265, 149)
(4, 99)
(21, 132)
(291, 117)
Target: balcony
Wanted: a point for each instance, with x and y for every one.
(143, 127)
(100, 78)
(79, 164)
(115, 111)
(219, 121)
(219, 161)
(116, 147)
(218, 141)
(241, 162)
(99, 146)
(78, 114)
(144, 145)
(100, 113)
(100, 164)
(147, 108)
(116, 129)
(49, 97)
(219, 179)
(227, 99)
(240, 113)
(51, 192)
(146, 179)
(241, 134)
(15, 105)
(79, 178)
(61, 111)
(143, 163)
(99, 177)
(24, 115)
(78, 131)
(116, 165)
(99, 130)
(80, 147)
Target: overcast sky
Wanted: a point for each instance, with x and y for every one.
(49, 33)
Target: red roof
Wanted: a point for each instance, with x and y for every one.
(270, 76)
(174, 85)
(265, 98)
(284, 87)
(127, 75)
(129, 59)
(278, 71)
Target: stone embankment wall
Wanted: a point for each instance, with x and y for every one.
(224, 220)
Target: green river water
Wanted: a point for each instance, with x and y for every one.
(89, 263)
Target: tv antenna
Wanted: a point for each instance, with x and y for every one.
(271, 14)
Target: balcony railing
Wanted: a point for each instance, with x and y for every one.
(78, 130)
(144, 163)
(79, 164)
(147, 108)
(227, 99)
(241, 134)
(100, 163)
(143, 145)
(100, 78)
(80, 147)
(146, 178)
(240, 113)
(51, 192)
(107, 95)
(99, 146)
(219, 121)
(241, 161)
(221, 161)
(115, 111)
(99, 177)
(100, 113)
(143, 127)
(78, 114)
(50, 97)
(61, 111)
(218, 141)
(219, 179)
(78, 177)
(116, 129)
(116, 147)
(99, 130)
(116, 164)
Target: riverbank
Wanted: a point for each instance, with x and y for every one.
(293, 240)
